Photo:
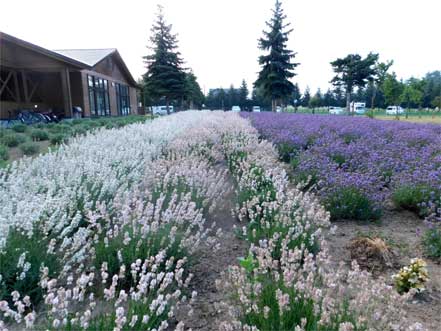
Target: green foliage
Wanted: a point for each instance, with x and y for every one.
(411, 197)
(392, 89)
(351, 203)
(34, 250)
(432, 241)
(193, 93)
(39, 135)
(165, 76)
(141, 246)
(248, 263)
(277, 66)
(296, 309)
(4, 155)
(20, 128)
(13, 139)
(354, 71)
(412, 94)
(286, 151)
(57, 139)
(29, 148)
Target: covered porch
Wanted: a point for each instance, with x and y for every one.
(33, 78)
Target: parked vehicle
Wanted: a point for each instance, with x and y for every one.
(394, 110)
(278, 109)
(358, 108)
(336, 110)
(256, 109)
(161, 110)
(236, 109)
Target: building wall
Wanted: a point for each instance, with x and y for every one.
(77, 90)
(108, 69)
(133, 100)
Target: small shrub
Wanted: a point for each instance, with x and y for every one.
(4, 155)
(61, 128)
(20, 128)
(351, 203)
(413, 276)
(412, 198)
(432, 241)
(286, 151)
(29, 148)
(57, 139)
(13, 139)
(39, 135)
(79, 130)
(110, 125)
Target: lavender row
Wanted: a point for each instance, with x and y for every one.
(357, 165)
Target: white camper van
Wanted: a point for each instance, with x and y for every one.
(358, 108)
(161, 110)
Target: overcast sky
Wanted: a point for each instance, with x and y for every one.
(218, 38)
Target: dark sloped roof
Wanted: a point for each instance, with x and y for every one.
(79, 58)
(44, 51)
(92, 57)
(88, 56)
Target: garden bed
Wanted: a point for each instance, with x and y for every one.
(134, 231)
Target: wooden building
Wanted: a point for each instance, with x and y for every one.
(34, 78)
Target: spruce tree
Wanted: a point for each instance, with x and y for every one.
(243, 95)
(277, 65)
(165, 77)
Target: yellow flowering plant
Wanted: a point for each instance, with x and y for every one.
(413, 276)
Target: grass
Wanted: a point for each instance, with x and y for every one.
(413, 119)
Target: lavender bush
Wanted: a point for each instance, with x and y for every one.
(358, 164)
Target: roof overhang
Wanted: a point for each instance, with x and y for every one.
(56, 56)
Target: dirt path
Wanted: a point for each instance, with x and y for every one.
(399, 230)
(208, 311)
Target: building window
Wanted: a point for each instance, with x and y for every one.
(122, 99)
(98, 96)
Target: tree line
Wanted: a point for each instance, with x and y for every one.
(363, 79)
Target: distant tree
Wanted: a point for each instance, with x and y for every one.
(432, 88)
(277, 66)
(259, 99)
(193, 92)
(233, 97)
(243, 95)
(436, 103)
(328, 99)
(306, 97)
(392, 89)
(315, 101)
(296, 96)
(165, 76)
(377, 80)
(353, 71)
(339, 96)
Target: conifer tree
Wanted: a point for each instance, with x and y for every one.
(277, 66)
(165, 77)
(243, 94)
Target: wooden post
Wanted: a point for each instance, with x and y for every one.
(17, 88)
(67, 98)
(5, 82)
(25, 85)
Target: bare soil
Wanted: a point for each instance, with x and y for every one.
(400, 231)
(208, 311)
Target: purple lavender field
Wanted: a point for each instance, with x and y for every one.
(357, 165)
